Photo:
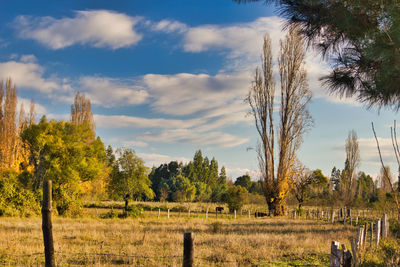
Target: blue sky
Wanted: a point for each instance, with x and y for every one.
(169, 77)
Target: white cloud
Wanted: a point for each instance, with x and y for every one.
(242, 40)
(28, 58)
(170, 26)
(28, 76)
(121, 121)
(236, 172)
(191, 136)
(98, 28)
(153, 159)
(184, 93)
(132, 143)
(110, 92)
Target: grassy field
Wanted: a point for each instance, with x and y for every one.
(152, 241)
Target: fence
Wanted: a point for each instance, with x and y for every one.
(343, 257)
(49, 253)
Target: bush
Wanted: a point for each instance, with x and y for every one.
(236, 197)
(132, 212)
(216, 227)
(16, 200)
(109, 215)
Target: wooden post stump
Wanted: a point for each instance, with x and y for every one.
(187, 250)
(47, 226)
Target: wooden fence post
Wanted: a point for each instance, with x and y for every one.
(187, 250)
(159, 212)
(335, 257)
(333, 216)
(47, 226)
(168, 214)
(378, 232)
(235, 214)
(207, 214)
(385, 226)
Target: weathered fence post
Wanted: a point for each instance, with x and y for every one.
(159, 213)
(235, 214)
(168, 214)
(378, 232)
(335, 255)
(187, 250)
(47, 226)
(333, 216)
(354, 250)
(207, 214)
(385, 226)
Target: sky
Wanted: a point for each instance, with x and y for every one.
(167, 78)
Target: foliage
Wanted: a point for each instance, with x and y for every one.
(236, 197)
(65, 153)
(182, 189)
(362, 39)
(244, 181)
(202, 178)
(129, 178)
(132, 212)
(16, 200)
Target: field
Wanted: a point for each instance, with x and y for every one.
(153, 241)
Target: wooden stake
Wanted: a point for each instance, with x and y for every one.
(47, 226)
(187, 250)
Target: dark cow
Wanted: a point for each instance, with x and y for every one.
(260, 214)
(219, 209)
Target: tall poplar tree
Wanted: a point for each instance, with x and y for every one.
(294, 119)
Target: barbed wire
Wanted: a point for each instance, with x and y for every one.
(136, 256)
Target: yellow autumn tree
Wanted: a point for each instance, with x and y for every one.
(279, 143)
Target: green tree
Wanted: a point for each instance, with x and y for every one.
(65, 153)
(182, 189)
(131, 180)
(236, 197)
(198, 171)
(360, 37)
(244, 181)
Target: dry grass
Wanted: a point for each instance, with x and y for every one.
(159, 242)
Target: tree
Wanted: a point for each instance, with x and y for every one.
(59, 151)
(236, 197)
(351, 164)
(361, 39)
(8, 124)
(131, 180)
(294, 118)
(182, 189)
(307, 183)
(244, 181)
(385, 179)
(81, 111)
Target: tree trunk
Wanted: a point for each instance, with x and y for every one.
(277, 207)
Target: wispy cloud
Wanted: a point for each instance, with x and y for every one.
(185, 93)
(169, 26)
(98, 28)
(110, 92)
(154, 159)
(28, 75)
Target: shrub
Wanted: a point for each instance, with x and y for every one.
(132, 212)
(236, 197)
(216, 227)
(109, 215)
